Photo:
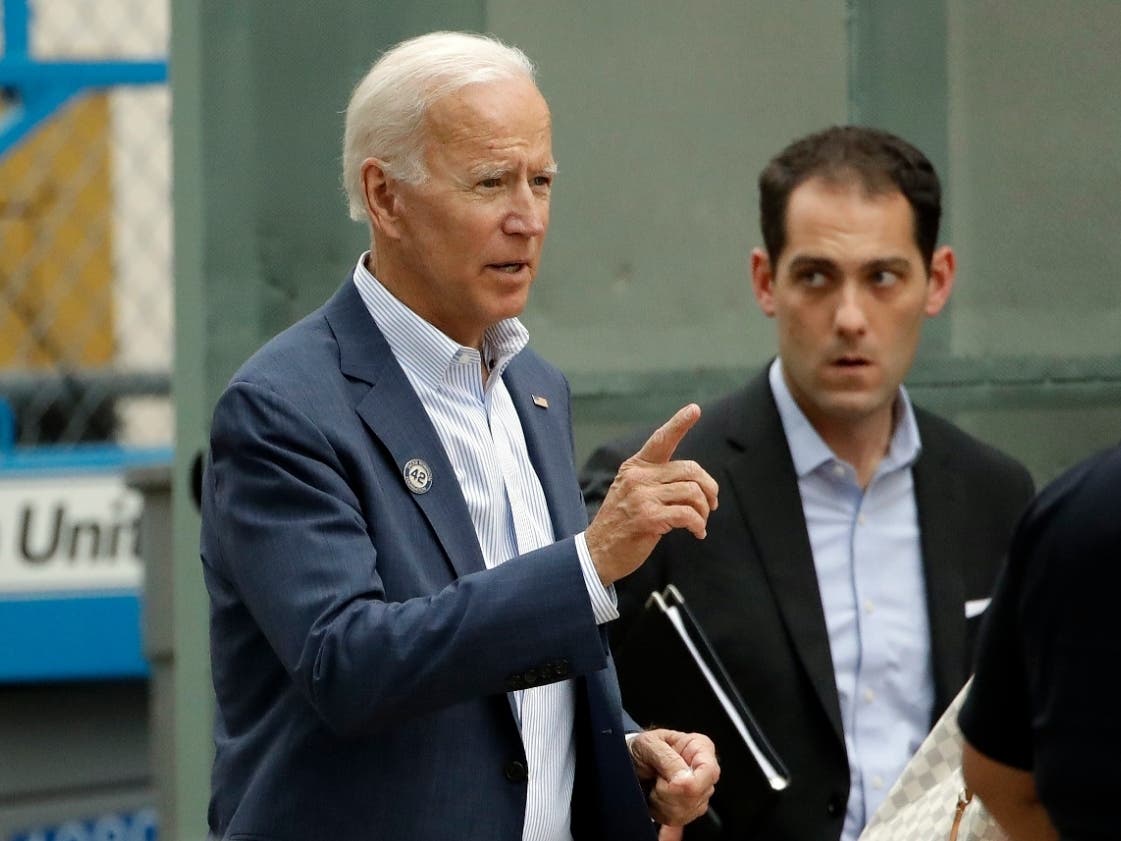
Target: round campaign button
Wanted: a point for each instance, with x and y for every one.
(418, 476)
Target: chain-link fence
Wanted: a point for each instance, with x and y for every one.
(85, 221)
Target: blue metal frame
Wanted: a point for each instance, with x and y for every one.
(40, 88)
(7, 427)
(47, 636)
(79, 458)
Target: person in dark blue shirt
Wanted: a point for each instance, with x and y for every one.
(1041, 723)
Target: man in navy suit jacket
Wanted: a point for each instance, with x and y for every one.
(407, 600)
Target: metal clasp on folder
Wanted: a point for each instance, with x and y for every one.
(671, 593)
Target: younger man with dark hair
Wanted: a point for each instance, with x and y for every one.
(858, 538)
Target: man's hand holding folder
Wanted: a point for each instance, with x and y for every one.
(667, 648)
(681, 770)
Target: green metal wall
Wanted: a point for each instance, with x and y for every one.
(663, 115)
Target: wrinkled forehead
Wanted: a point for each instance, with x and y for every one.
(507, 113)
(485, 95)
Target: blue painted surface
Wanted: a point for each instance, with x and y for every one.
(80, 458)
(76, 75)
(7, 427)
(141, 825)
(31, 110)
(17, 27)
(71, 637)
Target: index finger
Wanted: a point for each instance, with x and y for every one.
(660, 446)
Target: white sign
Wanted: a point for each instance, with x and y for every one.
(69, 532)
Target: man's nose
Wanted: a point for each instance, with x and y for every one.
(850, 316)
(529, 214)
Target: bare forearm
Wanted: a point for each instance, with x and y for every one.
(1010, 795)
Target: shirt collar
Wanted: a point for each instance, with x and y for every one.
(809, 451)
(424, 350)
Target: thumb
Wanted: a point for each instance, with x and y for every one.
(659, 447)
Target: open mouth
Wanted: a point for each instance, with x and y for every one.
(509, 268)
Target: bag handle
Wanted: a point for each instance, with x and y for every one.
(965, 797)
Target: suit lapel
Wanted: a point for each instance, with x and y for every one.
(767, 490)
(394, 414)
(942, 523)
(543, 410)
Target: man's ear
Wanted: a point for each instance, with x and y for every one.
(382, 196)
(943, 266)
(763, 281)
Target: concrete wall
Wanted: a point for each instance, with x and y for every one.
(663, 115)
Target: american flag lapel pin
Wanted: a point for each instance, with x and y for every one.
(540, 401)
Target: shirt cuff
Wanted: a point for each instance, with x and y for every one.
(605, 605)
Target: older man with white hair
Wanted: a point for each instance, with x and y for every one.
(407, 601)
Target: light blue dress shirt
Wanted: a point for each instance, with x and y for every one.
(482, 435)
(868, 558)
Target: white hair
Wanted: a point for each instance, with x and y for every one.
(385, 116)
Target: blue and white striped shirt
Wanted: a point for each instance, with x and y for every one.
(482, 435)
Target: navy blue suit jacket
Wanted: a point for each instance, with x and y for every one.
(361, 652)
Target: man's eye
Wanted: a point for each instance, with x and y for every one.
(885, 278)
(491, 183)
(543, 181)
(812, 279)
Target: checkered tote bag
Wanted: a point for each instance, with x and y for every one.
(929, 802)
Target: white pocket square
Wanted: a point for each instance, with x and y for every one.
(975, 607)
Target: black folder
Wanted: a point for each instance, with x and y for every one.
(671, 677)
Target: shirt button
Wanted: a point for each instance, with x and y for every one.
(869, 695)
(860, 519)
(877, 782)
(869, 607)
(839, 470)
(835, 806)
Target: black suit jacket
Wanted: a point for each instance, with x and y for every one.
(753, 586)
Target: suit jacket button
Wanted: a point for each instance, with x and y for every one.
(516, 771)
(531, 678)
(835, 806)
(560, 668)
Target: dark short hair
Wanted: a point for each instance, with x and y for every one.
(878, 161)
